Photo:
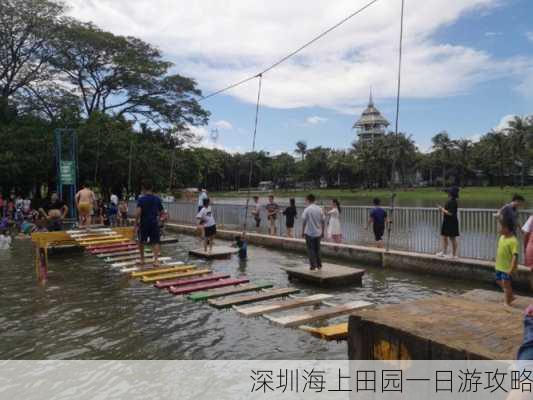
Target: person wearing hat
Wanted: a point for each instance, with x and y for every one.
(450, 223)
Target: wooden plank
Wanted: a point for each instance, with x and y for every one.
(88, 230)
(318, 315)
(329, 275)
(173, 275)
(217, 252)
(266, 295)
(121, 253)
(156, 271)
(105, 252)
(112, 240)
(330, 332)
(110, 246)
(182, 282)
(148, 267)
(135, 262)
(128, 258)
(94, 235)
(211, 294)
(253, 311)
(208, 285)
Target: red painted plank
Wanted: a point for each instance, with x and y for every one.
(109, 246)
(114, 249)
(208, 285)
(183, 282)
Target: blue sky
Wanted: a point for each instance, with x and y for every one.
(468, 64)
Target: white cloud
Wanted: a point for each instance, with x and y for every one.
(315, 120)
(490, 34)
(219, 43)
(504, 122)
(529, 35)
(222, 124)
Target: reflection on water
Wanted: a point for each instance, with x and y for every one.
(89, 311)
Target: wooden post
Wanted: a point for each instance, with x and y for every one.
(42, 272)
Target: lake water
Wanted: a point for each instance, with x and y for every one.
(88, 311)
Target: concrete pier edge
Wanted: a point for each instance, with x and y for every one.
(462, 268)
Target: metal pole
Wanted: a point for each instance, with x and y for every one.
(129, 167)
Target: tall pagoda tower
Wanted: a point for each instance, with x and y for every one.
(372, 124)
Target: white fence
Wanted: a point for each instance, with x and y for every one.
(414, 228)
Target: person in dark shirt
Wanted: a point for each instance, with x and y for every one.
(290, 215)
(149, 207)
(54, 210)
(378, 219)
(450, 223)
(508, 214)
(242, 244)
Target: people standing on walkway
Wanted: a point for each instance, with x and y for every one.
(334, 231)
(149, 206)
(378, 220)
(202, 195)
(450, 223)
(506, 261)
(290, 215)
(207, 224)
(508, 214)
(85, 201)
(55, 211)
(272, 209)
(313, 231)
(528, 242)
(256, 213)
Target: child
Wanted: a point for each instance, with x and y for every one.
(506, 261)
(206, 222)
(5, 240)
(242, 244)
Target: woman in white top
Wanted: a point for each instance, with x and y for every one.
(334, 231)
(528, 242)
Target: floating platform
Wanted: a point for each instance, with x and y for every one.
(174, 275)
(329, 275)
(318, 315)
(208, 285)
(253, 311)
(475, 325)
(217, 252)
(212, 294)
(183, 282)
(331, 332)
(266, 295)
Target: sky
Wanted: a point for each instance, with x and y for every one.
(467, 64)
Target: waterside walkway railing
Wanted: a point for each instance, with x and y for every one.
(414, 229)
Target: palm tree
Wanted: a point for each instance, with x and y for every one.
(442, 144)
(498, 142)
(464, 146)
(519, 131)
(301, 148)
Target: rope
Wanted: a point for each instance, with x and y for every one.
(252, 159)
(293, 53)
(398, 92)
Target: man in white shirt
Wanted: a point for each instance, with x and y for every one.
(206, 222)
(313, 231)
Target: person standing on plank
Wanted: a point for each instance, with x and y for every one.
(313, 231)
(85, 201)
(149, 207)
(206, 221)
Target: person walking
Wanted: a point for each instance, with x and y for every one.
(149, 206)
(334, 231)
(85, 201)
(313, 231)
(450, 223)
(378, 220)
(290, 215)
(528, 242)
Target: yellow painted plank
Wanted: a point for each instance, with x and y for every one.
(331, 332)
(174, 275)
(158, 271)
(108, 241)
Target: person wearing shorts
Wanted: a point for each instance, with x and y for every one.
(272, 209)
(85, 199)
(378, 219)
(506, 261)
(149, 206)
(207, 223)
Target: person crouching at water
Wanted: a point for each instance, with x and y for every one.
(450, 223)
(378, 220)
(206, 222)
(313, 231)
(506, 261)
(290, 215)
(149, 206)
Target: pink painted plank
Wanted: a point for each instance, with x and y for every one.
(208, 285)
(114, 249)
(109, 246)
(183, 282)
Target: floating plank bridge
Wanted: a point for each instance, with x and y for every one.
(117, 249)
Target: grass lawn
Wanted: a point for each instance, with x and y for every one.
(485, 196)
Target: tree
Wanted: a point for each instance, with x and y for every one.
(464, 148)
(519, 132)
(498, 144)
(26, 27)
(301, 148)
(443, 145)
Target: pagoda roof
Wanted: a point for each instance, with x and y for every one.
(371, 116)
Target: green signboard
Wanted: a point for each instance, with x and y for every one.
(67, 173)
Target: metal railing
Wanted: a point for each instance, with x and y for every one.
(414, 229)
